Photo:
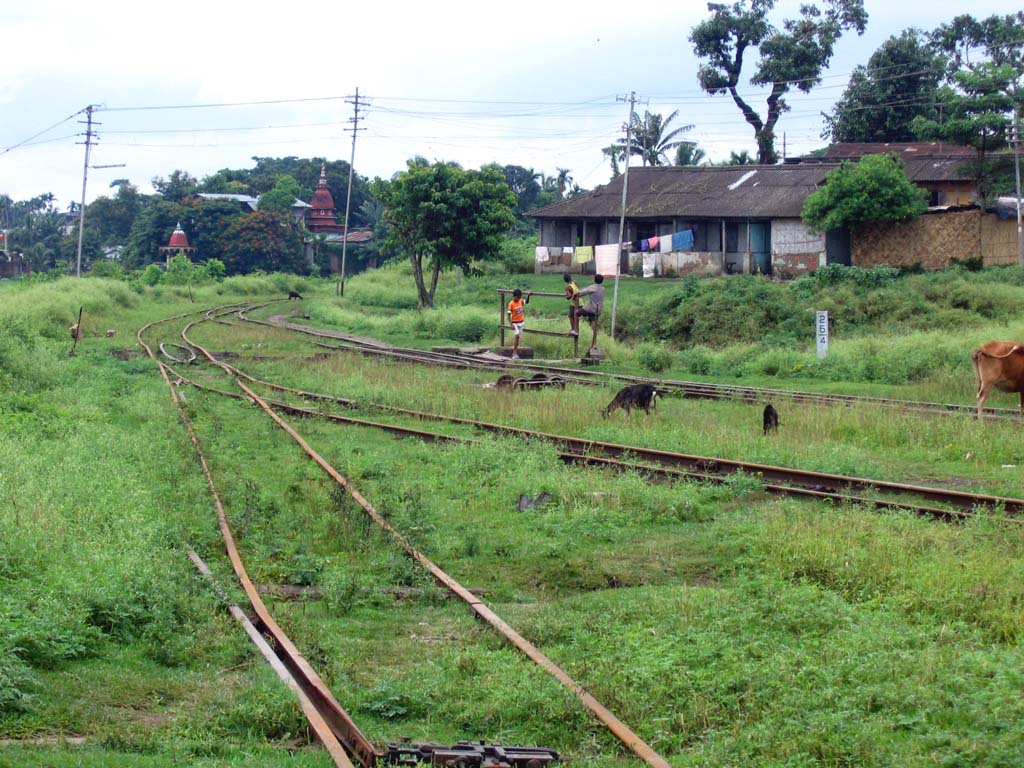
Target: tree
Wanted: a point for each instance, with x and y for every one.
(900, 82)
(178, 187)
(794, 57)
(983, 90)
(262, 241)
(282, 197)
(563, 181)
(688, 153)
(873, 189)
(976, 113)
(652, 139)
(441, 216)
(111, 218)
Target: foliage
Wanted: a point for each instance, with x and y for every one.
(282, 197)
(175, 189)
(262, 241)
(976, 113)
(443, 217)
(899, 82)
(874, 189)
(152, 275)
(792, 57)
(652, 141)
(654, 357)
(688, 153)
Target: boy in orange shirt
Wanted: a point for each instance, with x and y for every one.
(517, 317)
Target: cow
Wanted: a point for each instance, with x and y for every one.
(999, 364)
(770, 419)
(639, 395)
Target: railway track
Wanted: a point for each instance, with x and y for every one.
(940, 503)
(332, 725)
(329, 721)
(687, 389)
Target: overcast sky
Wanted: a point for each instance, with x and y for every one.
(530, 83)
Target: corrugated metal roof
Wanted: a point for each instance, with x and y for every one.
(758, 191)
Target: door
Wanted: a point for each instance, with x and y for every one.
(760, 247)
(837, 247)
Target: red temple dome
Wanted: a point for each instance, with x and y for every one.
(178, 238)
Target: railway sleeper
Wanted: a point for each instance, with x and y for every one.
(468, 754)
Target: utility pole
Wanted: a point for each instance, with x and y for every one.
(622, 216)
(348, 197)
(85, 175)
(1016, 171)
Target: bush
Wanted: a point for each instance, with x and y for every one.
(654, 357)
(152, 275)
(466, 324)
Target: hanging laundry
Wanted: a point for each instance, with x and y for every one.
(645, 245)
(541, 254)
(682, 241)
(666, 244)
(607, 257)
(567, 251)
(649, 263)
(584, 253)
(653, 243)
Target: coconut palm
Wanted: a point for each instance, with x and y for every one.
(688, 153)
(652, 138)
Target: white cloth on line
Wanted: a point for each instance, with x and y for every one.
(649, 261)
(665, 246)
(541, 254)
(606, 258)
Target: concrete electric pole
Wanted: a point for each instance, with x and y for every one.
(622, 216)
(348, 197)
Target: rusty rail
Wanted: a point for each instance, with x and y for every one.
(687, 389)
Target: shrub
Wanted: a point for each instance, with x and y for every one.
(654, 357)
(152, 275)
(466, 324)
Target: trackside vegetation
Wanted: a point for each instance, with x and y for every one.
(725, 625)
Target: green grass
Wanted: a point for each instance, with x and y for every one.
(725, 626)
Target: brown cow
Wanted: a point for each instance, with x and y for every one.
(999, 364)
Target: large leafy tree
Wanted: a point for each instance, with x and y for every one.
(282, 197)
(262, 241)
(900, 82)
(179, 186)
(792, 57)
(873, 189)
(111, 218)
(983, 91)
(441, 216)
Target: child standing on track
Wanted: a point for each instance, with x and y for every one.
(517, 317)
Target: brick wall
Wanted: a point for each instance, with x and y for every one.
(790, 265)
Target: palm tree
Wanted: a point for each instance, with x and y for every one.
(653, 139)
(616, 153)
(563, 180)
(743, 157)
(688, 153)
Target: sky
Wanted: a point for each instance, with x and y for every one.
(198, 85)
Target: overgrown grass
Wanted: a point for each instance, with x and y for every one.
(725, 626)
